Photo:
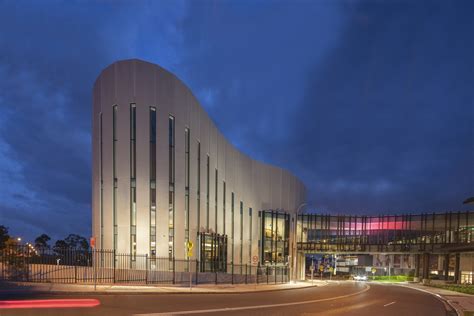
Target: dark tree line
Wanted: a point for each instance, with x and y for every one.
(72, 242)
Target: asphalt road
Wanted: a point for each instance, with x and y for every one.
(344, 298)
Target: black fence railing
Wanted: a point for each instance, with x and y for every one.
(21, 263)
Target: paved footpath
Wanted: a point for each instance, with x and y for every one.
(201, 289)
(461, 302)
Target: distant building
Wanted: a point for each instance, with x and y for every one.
(164, 175)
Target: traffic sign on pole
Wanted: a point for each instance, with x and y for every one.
(255, 259)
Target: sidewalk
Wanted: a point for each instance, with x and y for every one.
(129, 289)
(461, 302)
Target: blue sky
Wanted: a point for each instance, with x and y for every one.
(370, 103)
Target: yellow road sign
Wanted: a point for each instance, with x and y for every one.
(189, 245)
(190, 254)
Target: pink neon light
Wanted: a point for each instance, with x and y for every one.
(53, 303)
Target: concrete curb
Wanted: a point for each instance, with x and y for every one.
(119, 290)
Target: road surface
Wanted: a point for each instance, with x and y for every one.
(337, 298)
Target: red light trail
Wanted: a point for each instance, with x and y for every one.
(50, 303)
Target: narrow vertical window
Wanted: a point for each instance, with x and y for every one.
(232, 231)
(223, 207)
(215, 202)
(241, 232)
(207, 193)
(152, 114)
(250, 235)
(114, 172)
(171, 137)
(133, 193)
(186, 184)
(101, 186)
(198, 187)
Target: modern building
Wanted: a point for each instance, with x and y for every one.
(164, 175)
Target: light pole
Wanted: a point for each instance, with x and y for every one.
(294, 242)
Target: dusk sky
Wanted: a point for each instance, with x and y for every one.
(370, 103)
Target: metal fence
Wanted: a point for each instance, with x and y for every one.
(21, 263)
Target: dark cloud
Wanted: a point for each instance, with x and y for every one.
(51, 55)
(370, 103)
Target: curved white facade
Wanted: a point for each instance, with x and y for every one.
(135, 86)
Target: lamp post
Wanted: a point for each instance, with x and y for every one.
(294, 242)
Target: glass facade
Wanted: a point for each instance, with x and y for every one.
(213, 250)
(152, 182)
(396, 233)
(275, 237)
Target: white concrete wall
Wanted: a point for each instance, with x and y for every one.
(257, 185)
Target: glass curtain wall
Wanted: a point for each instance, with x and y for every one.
(275, 237)
(213, 250)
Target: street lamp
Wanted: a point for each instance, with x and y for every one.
(294, 242)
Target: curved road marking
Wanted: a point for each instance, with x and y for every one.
(230, 309)
(442, 299)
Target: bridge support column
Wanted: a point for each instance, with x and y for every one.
(426, 265)
(417, 266)
(301, 269)
(446, 267)
(457, 278)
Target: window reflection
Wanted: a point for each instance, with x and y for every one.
(275, 237)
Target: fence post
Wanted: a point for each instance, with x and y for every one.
(197, 271)
(256, 271)
(232, 273)
(75, 272)
(174, 271)
(276, 273)
(146, 268)
(267, 273)
(114, 259)
(245, 273)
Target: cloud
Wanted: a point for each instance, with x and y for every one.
(50, 59)
(370, 103)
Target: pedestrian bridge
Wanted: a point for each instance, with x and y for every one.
(438, 233)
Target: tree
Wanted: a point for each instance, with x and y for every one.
(4, 237)
(41, 242)
(76, 242)
(60, 246)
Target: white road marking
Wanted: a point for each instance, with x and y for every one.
(389, 304)
(229, 309)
